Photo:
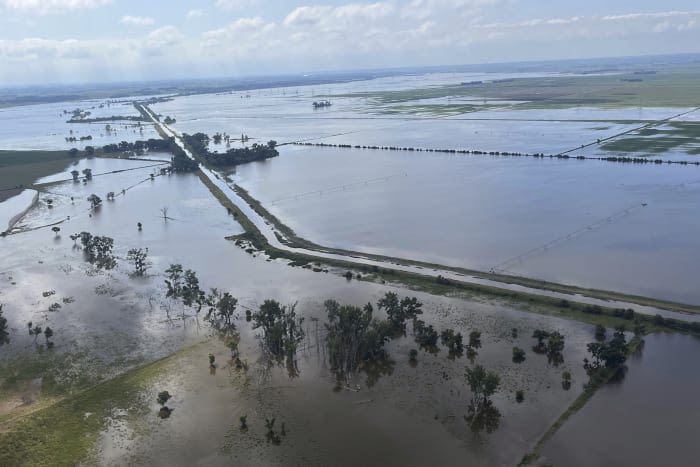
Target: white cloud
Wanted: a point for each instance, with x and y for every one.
(194, 14)
(356, 34)
(45, 6)
(235, 4)
(137, 20)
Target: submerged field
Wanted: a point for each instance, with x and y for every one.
(87, 393)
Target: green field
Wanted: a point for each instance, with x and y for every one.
(677, 88)
(25, 167)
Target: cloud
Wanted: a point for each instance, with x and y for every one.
(137, 20)
(194, 14)
(235, 4)
(45, 6)
(354, 35)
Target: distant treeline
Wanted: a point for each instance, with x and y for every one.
(199, 143)
(179, 162)
(634, 160)
(131, 118)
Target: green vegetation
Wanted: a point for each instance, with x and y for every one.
(518, 355)
(282, 331)
(199, 145)
(98, 250)
(139, 258)
(673, 135)
(481, 413)
(58, 432)
(355, 339)
(22, 168)
(4, 333)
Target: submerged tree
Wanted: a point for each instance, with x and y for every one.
(518, 355)
(282, 331)
(481, 413)
(94, 200)
(425, 336)
(183, 286)
(453, 341)
(98, 250)
(4, 333)
(163, 398)
(139, 258)
(354, 338)
(398, 312)
(608, 357)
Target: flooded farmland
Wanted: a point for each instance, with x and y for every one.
(621, 227)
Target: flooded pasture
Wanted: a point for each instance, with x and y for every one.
(643, 420)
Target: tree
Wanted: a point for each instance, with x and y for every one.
(48, 334)
(164, 212)
(56, 230)
(354, 338)
(600, 332)
(540, 335)
(94, 200)
(98, 250)
(518, 355)
(163, 398)
(282, 330)
(519, 396)
(174, 281)
(88, 174)
(453, 341)
(75, 175)
(398, 312)
(566, 380)
(481, 414)
(4, 333)
(139, 258)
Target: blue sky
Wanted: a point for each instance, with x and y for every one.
(53, 41)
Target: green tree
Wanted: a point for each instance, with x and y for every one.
(94, 200)
(354, 338)
(4, 333)
(282, 331)
(481, 414)
(600, 332)
(139, 258)
(518, 355)
(48, 334)
(98, 250)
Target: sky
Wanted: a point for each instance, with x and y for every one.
(73, 41)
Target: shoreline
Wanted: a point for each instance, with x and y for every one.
(17, 217)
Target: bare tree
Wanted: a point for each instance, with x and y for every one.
(164, 211)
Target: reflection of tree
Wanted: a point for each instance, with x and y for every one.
(488, 418)
(375, 369)
(481, 414)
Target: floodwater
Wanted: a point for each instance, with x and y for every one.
(648, 419)
(45, 127)
(13, 207)
(576, 222)
(118, 321)
(484, 212)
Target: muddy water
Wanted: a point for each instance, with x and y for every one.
(410, 416)
(122, 321)
(648, 419)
